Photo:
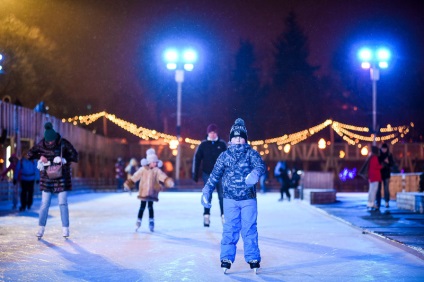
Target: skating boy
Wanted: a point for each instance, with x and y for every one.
(240, 168)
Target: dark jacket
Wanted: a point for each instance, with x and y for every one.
(207, 153)
(68, 153)
(385, 171)
(233, 166)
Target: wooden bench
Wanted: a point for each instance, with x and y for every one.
(319, 196)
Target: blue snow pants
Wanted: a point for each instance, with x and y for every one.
(240, 216)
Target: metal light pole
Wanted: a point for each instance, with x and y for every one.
(179, 63)
(375, 76)
(179, 78)
(374, 60)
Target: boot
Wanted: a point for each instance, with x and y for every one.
(65, 232)
(137, 224)
(206, 220)
(40, 232)
(151, 224)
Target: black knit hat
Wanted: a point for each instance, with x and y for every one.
(238, 129)
(212, 127)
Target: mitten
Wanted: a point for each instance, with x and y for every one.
(205, 201)
(169, 183)
(252, 178)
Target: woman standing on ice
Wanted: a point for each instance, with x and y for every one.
(54, 149)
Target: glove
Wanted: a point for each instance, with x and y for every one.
(205, 201)
(252, 178)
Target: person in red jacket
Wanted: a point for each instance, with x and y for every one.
(374, 177)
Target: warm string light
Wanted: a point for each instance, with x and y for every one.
(343, 130)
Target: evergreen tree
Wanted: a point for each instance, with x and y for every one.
(294, 88)
(33, 69)
(246, 89)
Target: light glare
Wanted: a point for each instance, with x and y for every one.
(383, 54)
(365, 65)
(171, 56)
(188, 67)
(383, 65)
(171, 66)
(365, 55)
(189, 56)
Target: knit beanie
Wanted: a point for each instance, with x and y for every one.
(151, 156)
(49, 134)
(212, 127)
(238, 129)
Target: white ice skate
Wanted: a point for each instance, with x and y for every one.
(254, 264)
(40, 232)
(65, 232)
(137, 225)
(206, 220)
(225, 265)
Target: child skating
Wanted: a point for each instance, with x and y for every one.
(150, 177)
(239, 168)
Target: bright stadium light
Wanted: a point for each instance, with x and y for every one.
(179, 61)
(374, 60)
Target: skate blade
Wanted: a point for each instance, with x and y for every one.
(255, 270)
(225, 270)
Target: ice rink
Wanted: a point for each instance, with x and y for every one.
(298, 242)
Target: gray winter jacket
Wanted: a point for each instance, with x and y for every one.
(233, 166)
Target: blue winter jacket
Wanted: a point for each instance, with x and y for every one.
(233, 166)
(26, 170)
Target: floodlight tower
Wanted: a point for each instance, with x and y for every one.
(374, 60)
(180, 61)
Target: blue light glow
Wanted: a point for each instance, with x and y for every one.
(383, 65)
(383, 54)
(171, 66)
(365, 54)
(189, 56)
(188, 67)
(171, 56)
(347, 174)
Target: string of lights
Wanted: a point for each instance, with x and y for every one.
(345, 131)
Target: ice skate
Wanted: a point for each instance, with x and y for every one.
(254, 264)
(151, 225)
(137, 225)
(40, 232)
(225, 265)
(206, 220)
(65, 232)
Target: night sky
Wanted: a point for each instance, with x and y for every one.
(106, 42)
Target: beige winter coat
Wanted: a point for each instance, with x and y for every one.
(150, 182)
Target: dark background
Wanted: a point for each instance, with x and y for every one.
(106, 55)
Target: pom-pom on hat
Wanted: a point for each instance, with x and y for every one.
(212, 127)
(238, 129)
(151, 156)
(49, 134)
